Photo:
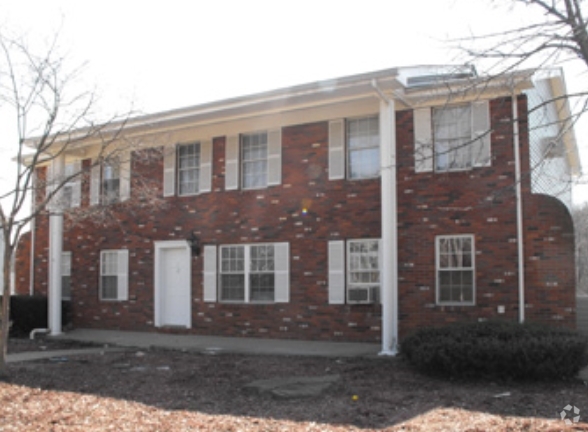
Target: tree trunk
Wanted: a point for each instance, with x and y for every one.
(5, 314)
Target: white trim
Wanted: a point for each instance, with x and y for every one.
(209, 289)
(337, 149)
(158, 293)
(169, 170)
(95, 182)
(232, 153)
(336, 262)
(274, 157)
(423, 140)
(206, 154)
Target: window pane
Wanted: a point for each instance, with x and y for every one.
(262, 287)
(109, 287)
(65, 287)
(232, 287)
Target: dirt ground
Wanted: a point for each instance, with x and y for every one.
(160, 390)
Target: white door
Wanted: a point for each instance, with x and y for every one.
(174, 289)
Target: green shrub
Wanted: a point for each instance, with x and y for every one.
(30, 312)
(497, 350)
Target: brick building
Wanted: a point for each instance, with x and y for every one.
(354, 209)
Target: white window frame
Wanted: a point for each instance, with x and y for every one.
(244, 162)
(455, 268)
(373, 287)
(454, 146)
(369, 147)
(111, 172)
(247, 272)
(65, 273)
(120, 273)
(195, 168)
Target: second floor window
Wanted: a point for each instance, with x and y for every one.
(452, 132)
(188, 168)
(363, 148)
(110, 181)
(254, 156)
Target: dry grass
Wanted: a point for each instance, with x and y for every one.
(174, 391)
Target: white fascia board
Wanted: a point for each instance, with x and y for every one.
(469, 89)
(559, 91)
(291, 98)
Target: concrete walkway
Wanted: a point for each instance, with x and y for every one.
(214, 344)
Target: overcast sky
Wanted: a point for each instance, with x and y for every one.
(163, 55)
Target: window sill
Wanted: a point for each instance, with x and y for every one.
(456, 304)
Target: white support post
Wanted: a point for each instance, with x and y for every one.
(389, 253)
(55, 252)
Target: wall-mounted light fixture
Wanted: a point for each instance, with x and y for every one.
(194, 243)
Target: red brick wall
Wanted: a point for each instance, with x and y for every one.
(550, 267)
(479, 202)
(22, 265)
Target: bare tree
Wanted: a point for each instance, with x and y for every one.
(53, 112)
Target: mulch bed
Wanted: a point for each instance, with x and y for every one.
(159, 390)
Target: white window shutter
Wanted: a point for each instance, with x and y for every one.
(95, 183)
(423, 140)
(337, 272)
(125, 177)
(481, 150)
(337, 149)
(123, 275)
(282, 272)
(205, 181)
(169, 171)
(209, 253)
(76, 197)
(232, 163)
(274, 160)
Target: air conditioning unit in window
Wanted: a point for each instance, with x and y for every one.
(363, 295)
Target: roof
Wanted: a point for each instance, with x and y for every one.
(409, 86)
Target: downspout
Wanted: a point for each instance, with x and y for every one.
(519, 199)
(389, 252)
(32, 259)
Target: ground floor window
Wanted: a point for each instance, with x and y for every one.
(247, 273)
(363, 270)
(114, 274)
(455, 269)
(354, 271)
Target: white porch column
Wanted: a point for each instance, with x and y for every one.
(389, 253)
(55, 252)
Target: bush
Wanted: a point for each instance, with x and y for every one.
(30, 312)
(497, 350)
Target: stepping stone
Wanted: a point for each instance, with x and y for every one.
(293, 387)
